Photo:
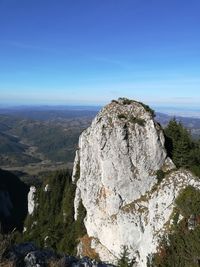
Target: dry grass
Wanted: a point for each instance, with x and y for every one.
(7, 264)
(86, 248)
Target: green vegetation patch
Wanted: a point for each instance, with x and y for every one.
(126, 101)
(181, 247)
(188, 201)
(124, 258)
(132, 119)
(52, 223)
(139, 121)
(181, 148)
(148, 109)
(160, 175)
(122, 116)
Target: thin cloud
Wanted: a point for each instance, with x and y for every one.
(21, 45)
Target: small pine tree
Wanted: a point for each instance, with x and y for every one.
(182, 148)
(178, 143)
(124, 259)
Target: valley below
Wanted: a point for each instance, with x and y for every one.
(33, 142)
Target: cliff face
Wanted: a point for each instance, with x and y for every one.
(115, 173)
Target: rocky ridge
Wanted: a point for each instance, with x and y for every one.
(115, 171)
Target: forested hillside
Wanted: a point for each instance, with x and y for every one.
(52, 223)
(34, 140)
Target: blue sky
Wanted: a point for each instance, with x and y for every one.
(93, 51)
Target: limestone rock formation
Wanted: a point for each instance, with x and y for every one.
(115, 172)
(31, 199)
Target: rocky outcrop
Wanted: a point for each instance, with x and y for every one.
(29, 255)
(31, 199)
(115, 171)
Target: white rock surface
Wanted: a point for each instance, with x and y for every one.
(46, 188)
(31, 199)
(115, 171)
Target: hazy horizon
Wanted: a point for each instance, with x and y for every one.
(184, 111)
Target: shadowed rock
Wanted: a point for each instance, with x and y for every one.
(13, 201)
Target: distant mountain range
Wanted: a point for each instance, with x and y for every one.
(192, 111)
(192, 124)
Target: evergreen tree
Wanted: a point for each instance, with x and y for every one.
(178, 143)
(124, 260)
(182, 147)
(181, 247)
(52, 224)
